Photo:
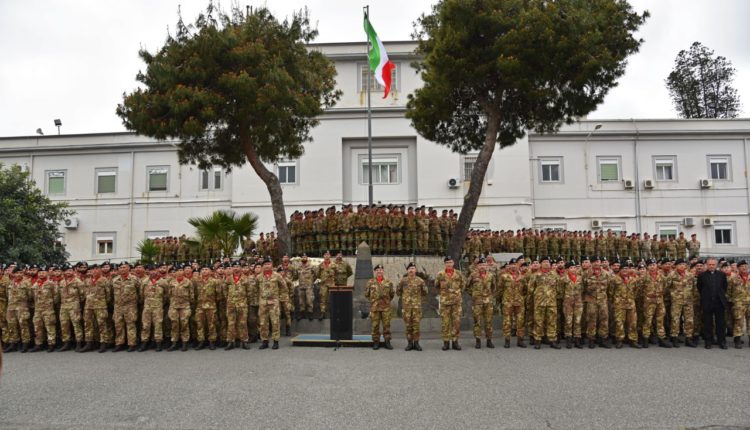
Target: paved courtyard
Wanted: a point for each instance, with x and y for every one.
(360, 388)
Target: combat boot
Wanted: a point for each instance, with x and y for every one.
(229, 347)
(88, 346)
(201, 345)
(309, 316)
(478, 344)
(376, 345)
(119, 348)
(410, 346)
(143, 347)
(388, 344)
(172, 347)
(298, 316)
(10, 347)
(537, 344)
(507, 343)
(446, 345)
(275, 344)
(578, 343)
(690, 343)
(416, 346)
(51, 347)
(456, 346)
(675, 342)
(211, 345)
(184, 346)
(520, 343)
(644, 342)
(245, 345)
(264, 345)
(288, 330)
(79, 346)
(490, 344)
(65, 347)
(102, 347)
(592, 343)
(568, 342)
(618, 344)
(737, 342)
(664, 343)
(158, 346)
(605, 344)
(653, 340)
(37, 347)
(555, 345)
(24, 347)
(132, 348)
(634, 344)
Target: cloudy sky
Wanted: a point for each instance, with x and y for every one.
(73, 59)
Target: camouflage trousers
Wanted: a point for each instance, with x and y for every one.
(221, 318)
(71, 317)
(323, 298)
(96, 325)
(410, 241)
(545, 322)
(686, 311)
(653, 313)
(269, 313)
(4, 322)
(513, 313)
(205, 324)
(18, 320)
(597, 320)
(124, 318)
(45, 321)
(252, 321)
(381, 318)
(740, 316)
(412, 322)
(395, 243)
(572, 311)
(305, 298)
(237, 323)
(152, 317)
(625, 317)
(180, 324)
(482, 313)
(423, 238)
(450, 321)
(285, 307)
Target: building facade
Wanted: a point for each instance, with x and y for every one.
(125, 188)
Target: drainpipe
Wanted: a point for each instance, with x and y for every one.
(637, 180)
(132, 203)
(747, 179)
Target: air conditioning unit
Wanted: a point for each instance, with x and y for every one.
(596, 223)
(71, 223)
(705, 183)
(629, 184)
(688, 222)
(453, 183)
(708, 222)
(648, 184)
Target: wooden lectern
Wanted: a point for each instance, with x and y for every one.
(340, 306)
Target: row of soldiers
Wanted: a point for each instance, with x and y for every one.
(598, 301)
(116, 308)
(174, 249)
(572, 245)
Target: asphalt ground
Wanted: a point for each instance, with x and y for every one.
(350, 388)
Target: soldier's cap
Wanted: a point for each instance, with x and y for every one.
(482, 260)
(267, 260)
(615, 261)
(106, 263)
(520, 256)
(663, 261)
(327, 252)
(379, 266)
(447, 258)
(125, 263)
(731, 261)
(724, 264)
(526, 264)
(629, 264)
(679, 261)
(650, 261)
(512, 261)
(559, 259)
(236, 264)
(570, 264)
(701, 261)
(604, 259)
(692, 235)
(410, 265)
(303, 255)
(741, 263)
(34, 266)
(595, 258)
(544, 258)
(280, 269)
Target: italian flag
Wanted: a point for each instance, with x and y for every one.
(378, 58)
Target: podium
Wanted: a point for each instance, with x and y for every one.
(340, 307)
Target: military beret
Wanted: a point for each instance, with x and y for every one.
(267, 260)
(327, 252)
(742, 263)
(595, 258)
(650, 261)
(410, 265)
(679, 261)
(693, 235)
(559, 259)
(526, 264)
(379, 266)
(543, 258)
(482, 260)
(512, 261)
(570, 264)
(447, 259)
(236, 264)
(724, 264)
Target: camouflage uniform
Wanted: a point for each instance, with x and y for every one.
(71, 295)
(180, 298)
(623, 303)
(305, 294)
(595, 289)
(694, 249)
(513, 294)
(411, 290)
(98, 295)
(152, 295)
(237, 306)
(739, 293)
(652, 292)
(380, 295)
(572, 288)
(450, 288)
(252, 313)
(342, 272)
(423, 233)
(544, 289)
(205, 309)
(20, 295)
(680, 289)
(326, 275)
(125, 315)
(395, 227)
(482, 287)
(269, 286)
(345, 224)
(4, 281)
(44, 312)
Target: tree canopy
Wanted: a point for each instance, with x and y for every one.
(29, 221)
(235, 87)
(493, 69)
(225, 228)
(701, 84)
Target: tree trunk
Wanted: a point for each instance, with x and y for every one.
(475, 187)
(277, 197)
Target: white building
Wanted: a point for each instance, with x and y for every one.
(125, 188)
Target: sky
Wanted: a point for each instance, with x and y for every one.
(74, 59)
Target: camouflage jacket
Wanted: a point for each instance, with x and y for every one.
(269, 287)
(380, 294)
(98, 293)
(306, 276)
(326, 274)
(623, 292)
(152, 293)
(206, 297)
(450, 287)
(411, 291)
(71, 294)
(545, 289)
(651, 288)
(739, 290)
(482, 288)
(681, 287)
(44, 296)
(511, 290)
(180, 294)
(238, 291)
(125, 291)
(342, 272)
(595, 287)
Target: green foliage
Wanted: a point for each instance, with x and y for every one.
(533, 64)
(701, 84)
(28, 220)
(225, 228)
(148, 250)
(230, 80)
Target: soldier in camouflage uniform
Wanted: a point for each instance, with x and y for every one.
(71, 292)
(380, 292)
(423, 232)
(412, 289)
(595, 287)
(45, 320)
(395, 227)
(651, 287)
(694, 247)
(342, 271)
(180, 298)
(269, 285)
(125, 315)
(205, 309)
(237, 294)
(286, 304)
(451, 285)
(20, 296)
(572, 292)
(347, 228)
(623, 293)
(512, 292)
(681, 285)
(4, 282)
(305, 293)
(152, 296)
(739, 294)
(95, 315)
(325, 272)
(544, 287)
(482, 286)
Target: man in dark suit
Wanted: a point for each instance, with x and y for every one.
(712, 286)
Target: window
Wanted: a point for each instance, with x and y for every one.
(374, 85)
(468, 169)
(211, 179)
(106, 180)
(158, 234)
(664, 168)
(55, 182)
(480, 225)
(385, 171)
(615, 227)
(550, 169)
(718, 167)
(723, 234)
(158, 178)
(609, 169)
(104, 244)
(287, 171)
(667, 230)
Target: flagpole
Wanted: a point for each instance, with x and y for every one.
(369, 116)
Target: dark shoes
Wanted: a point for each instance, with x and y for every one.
(446, 346)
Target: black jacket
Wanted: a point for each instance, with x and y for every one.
(713, 289)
